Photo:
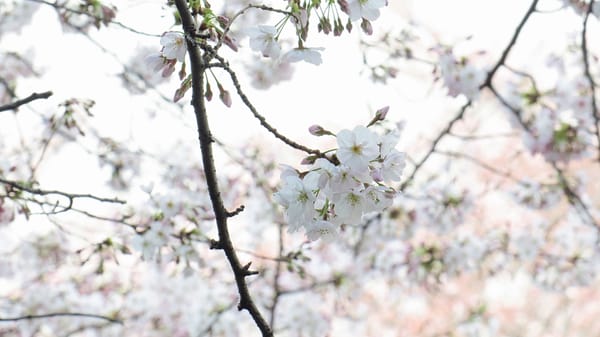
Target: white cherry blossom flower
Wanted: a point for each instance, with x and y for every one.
(310, 55)
(349, 206)
(321, 229)
(264, 39)
(368, 9)
(174, 46)
(392, 166)
(298, 197)
(357, 148)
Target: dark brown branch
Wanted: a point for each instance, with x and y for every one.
(513, 40)
(198, 68)
(60, 314)
(588, 75)
(35, 96)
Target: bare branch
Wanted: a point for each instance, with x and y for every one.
(74, 11)
(35, 96)
(513, 40)
(70, 196)
(437, 140)
(588, 76)
(198, 64)
(60, 314)
(261, 118)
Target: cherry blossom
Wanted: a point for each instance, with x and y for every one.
(298, 197)
(357, 148)
(174, 46)
(310, 55)
(264, 39)
(367, 9)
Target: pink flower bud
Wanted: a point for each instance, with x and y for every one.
(223, 21)
(382, 113)
(229, 42)
(208, 93)
(365, 25)
(225, 96)
(344, 6)
(309, 160)
(317, 130)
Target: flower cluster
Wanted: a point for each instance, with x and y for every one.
(341, 189)
(460, 76)
(557, 136)
(265, 39)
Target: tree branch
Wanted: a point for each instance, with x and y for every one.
(437, 140)
(198, 64)
(261, 118)
(70, 196)
(35, 96)
(588, 76)
(60, 314)
(513, 40)
(487, 83)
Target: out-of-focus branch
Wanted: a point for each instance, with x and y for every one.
(588, 76)
(434, 145)
(476, 161)
(198, 62)
(59, 314)
(573, 198)
(513, 40)
(242, 11)
(58, 7)
(70, 196)
(16, 104)
(487, 83)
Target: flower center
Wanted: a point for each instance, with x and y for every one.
(356, 149)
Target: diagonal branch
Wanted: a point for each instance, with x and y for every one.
(261, 118)
(487, 83)
(198, 64)
(433, 148)
(513, 40)
(35, 96)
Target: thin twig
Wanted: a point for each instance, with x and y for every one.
(262, 119)
(435, 143)
(588, 76)
(60, 314)
(74, 11)
(70, 196)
